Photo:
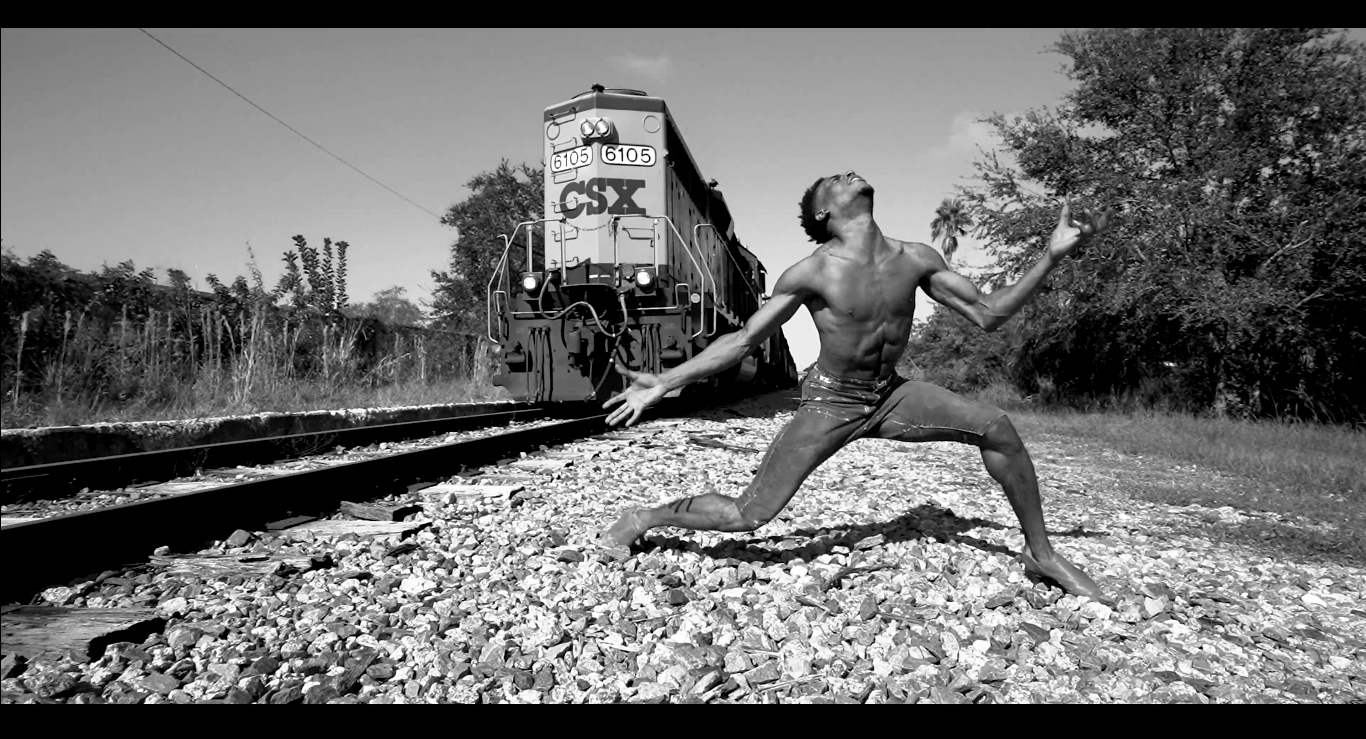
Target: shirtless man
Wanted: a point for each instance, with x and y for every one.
(860, 288)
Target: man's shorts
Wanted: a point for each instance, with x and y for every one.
(837, 410)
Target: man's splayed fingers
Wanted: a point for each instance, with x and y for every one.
(631, 376)
(1101, 222)
(1092, 222)
(627, 412)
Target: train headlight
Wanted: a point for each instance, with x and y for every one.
(531, 282)
(595, 128)
(645, 279)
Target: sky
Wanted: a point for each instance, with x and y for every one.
(116, 149)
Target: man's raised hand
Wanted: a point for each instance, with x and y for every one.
(1072, 230)
(645, 390)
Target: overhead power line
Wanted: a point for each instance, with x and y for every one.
(286, 125)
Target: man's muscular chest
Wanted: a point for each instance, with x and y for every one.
(867, 291)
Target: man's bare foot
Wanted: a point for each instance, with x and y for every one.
(626, 530)
(1064, 574)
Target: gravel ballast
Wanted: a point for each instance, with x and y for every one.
(891, 577)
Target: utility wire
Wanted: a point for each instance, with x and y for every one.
(286, 125)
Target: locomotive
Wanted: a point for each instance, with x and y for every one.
(635, 260)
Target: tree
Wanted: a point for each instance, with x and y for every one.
(341, 299)
(1237, 272)
(498, 201)
(390, 307)
(325, 290)
(291, 283)
(951, 220)
(950, 351)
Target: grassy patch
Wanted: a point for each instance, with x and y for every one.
(1294, 469)
(181, 364)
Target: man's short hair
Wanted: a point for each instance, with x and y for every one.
(817, 230)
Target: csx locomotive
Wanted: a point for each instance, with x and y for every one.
(636, 260)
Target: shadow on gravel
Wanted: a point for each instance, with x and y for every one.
(921, 522)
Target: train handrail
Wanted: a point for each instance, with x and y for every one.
(715, 294)
(715, 298)
(699, 269)
(748, 283)
(500, 271)
(758, 298)
(501, 329)
(704, 274)
(615, 230)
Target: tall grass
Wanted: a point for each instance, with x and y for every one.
(1286, 455)
(205, 361)
(1298, 469)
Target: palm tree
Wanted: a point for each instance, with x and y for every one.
(950, 222)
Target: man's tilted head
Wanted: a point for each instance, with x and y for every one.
(844, 195)
(814, 227)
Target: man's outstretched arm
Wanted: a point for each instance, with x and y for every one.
(990, 311)
(789, 294)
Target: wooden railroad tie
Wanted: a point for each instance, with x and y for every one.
(359, 528)
(451, 492)
(370, 512)
(81, 633)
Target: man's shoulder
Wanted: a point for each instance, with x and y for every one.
(800, 278)
(809, 265)
(925, 258)
(914, 249)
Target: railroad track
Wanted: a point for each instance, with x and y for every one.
(27, 482)
(57, 550)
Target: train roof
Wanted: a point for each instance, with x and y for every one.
(626, 99)
(622, 99)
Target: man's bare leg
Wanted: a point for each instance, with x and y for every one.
(707, 512)
(810, 438)
(1008, 463)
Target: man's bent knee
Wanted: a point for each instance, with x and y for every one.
(1000, 436)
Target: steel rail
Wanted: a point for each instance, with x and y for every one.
(51, 551)
(57, 479)
(54, 551)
